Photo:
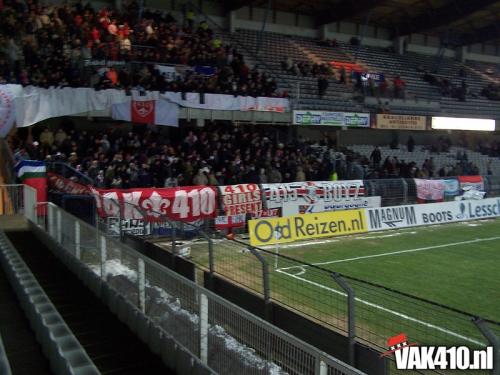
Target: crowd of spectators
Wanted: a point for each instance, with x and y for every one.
(446, 87)
(393, 167)
(366, 83)
(492, 91)
(220, 155)
(491, 148)
(62, 46)
(217, 155)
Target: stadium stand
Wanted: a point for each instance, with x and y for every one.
(72, 35)
(163, 260)
(411, 67)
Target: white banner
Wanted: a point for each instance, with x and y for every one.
(7, 108)
(432, 213)
(169, 72)
(131, 226)
(35, 104)
(290, 196)
(351, 204)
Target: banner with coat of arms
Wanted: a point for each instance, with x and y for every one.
(158, 112)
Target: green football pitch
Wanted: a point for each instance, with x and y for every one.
(426, 282)
(457, 265)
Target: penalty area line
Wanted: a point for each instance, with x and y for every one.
(389, 311)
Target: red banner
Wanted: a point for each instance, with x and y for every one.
(241, 199)
(143, 111)
(187, 203)
(65, 185)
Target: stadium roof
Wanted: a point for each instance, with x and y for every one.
(459, 22)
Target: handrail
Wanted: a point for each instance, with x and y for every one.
(53, 166)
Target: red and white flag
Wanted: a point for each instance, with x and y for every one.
(158, 112)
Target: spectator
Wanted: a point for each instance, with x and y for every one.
(399, 88)
(201, 177)
(300, 176)
(376, 157)
(410, 144)
(342, 75)
(47, 138)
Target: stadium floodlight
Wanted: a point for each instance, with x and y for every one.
(457, 123)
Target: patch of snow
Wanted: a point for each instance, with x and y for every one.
(248, 354)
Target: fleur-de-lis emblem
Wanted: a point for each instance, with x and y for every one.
(155, 205)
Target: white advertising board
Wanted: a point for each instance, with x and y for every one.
(432, 213)
(291, 208)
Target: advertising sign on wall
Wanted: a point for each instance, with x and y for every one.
(360, 202)
(359, 120)
(401, 122)
(308, 226)
(432, 213)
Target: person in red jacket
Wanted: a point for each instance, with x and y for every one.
(399, 88)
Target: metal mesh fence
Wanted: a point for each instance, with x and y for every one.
(393, 192)
(379, 312)
(312, 291)
(224, 336)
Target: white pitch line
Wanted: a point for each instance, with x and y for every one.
(401, 315)
(399, 252)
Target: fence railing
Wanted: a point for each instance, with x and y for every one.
(365, 312)
(223, 336)
(4, 361)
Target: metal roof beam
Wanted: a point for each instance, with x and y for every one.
(445, 15)
(346, 9)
